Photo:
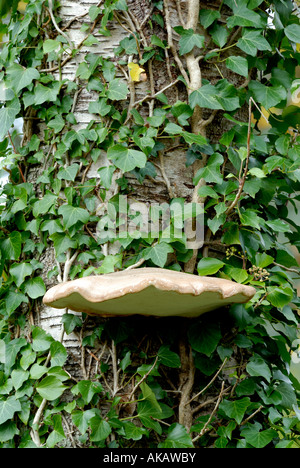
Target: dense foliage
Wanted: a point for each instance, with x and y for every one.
(245, 391)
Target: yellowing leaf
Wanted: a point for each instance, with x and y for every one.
(135, 71)
(22, 7)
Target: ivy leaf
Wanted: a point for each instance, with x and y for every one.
(256, 437)
(209, 266)
(257, 367)
(51, 388)
(8, 115)
(70, 322)
(99, 107)
(222, 96)
(20, 77)
(100, 429)
(168, 357)
(87, 389)
(11, 247)
(250, 218)
(211, 172)
(62, 243)
(57, 435)
(267, 96)
(238, 65)
(41, 339)
(207, 17)
(68, 173)
(72, 215)
(235, 409)
(205, 97)
(177, 438)
(204, 337)
(8, 408)
(158, 254)
(188, 40)
(19, 272)
(117, 90)
(279, 297)
(292, 32)
(46, 93)
(35, 287)
(252, 41)
(126, 159)
(244, 17)
(50, 45)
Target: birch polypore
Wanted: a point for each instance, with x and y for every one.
(147, 291)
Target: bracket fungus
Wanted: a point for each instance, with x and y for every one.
(147, 291)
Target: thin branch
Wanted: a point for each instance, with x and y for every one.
(153, 96)
(142, 379)
(205, 427)
(243, 180)
(171, 44)
(210, 383)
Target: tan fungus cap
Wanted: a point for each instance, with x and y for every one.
(147, 291)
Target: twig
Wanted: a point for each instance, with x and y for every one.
(292, 270)
(153, 96)
(243, 180)
(161, 166)
(204, 429)
(113, 352)
(15, 151)
(62, 33)
(210, 383)
(171, 44)
(251, 416)
(142, 379)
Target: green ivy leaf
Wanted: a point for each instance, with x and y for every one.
(48, 93)
(188, 40)
(35, 287)
(20, 77)
(87, 389)
(8, 115)
(204, 337)
(100, 429)
(244, 17)
(267, 96)
(8, 408)
(168, 357)
(209, 266)
(222, 96)
(11, 247)
(50, 45)
(70, 322)
(292, 32)
(50, 388)
(19, 271)
(257, 367)
(117, 90)
(256, 437)
(238, 65)
(235, 409)
(72, 215)
(211, 172)
(177, 438)
(68, 173)
(126, 159)
(207, 17)
(158, 254)
(252, 41)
